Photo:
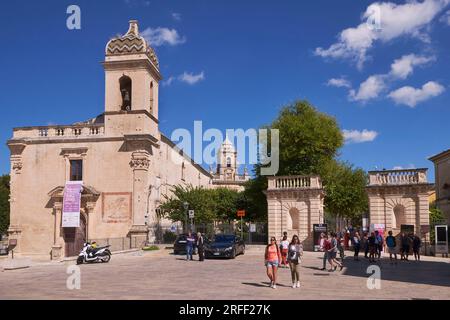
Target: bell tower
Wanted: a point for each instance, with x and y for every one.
(227, 161)
(131, 84)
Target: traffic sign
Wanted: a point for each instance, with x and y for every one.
(191, 214)
(241, 213)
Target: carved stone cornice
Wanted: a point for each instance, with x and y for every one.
(140, 160)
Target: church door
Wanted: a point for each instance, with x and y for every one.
(74, 238)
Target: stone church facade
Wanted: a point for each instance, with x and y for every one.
(124, 161)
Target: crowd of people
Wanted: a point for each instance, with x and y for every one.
(288, 254)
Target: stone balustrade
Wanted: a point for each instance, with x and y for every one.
(294, 182)
(59, 131)
(397, 177)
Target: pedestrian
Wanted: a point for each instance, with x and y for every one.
(332, 252)
(340, 247)
(391, 245)
(417, 243)
(356, 245)
(294, 255)
(366, 245)
(378, 244)
(324, 246)
(200, 247)
(284, 252)
(190, 240)
(404, 247)
(272, 258)
(372, 247)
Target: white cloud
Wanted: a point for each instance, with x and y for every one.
(355, 136)
(176, 16)
(411, 96)
(374, 85)
(161, 36)
(191, 78)
(395, 20)
(168, 81)
(369, 89)
(403, 67)
(188, 78)
(339, 82)
(446, 18)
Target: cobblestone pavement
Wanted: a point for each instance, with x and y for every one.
(161, 275)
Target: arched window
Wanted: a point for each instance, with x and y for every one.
(183, 171)
(228, 162)
(125, 91)
(151, 97)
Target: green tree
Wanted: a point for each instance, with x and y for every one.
(309, 139)
(309, 142)
(345, 191)
(199, 200)
(209, 204)
(436, 217)
(4, 203)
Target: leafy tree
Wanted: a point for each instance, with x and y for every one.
(309, 139)
(198, 198)
(209, 204)
(4, 203)
(225, 203)
(345, 191)
(436, 217)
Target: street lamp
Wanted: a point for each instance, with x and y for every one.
(186, 207)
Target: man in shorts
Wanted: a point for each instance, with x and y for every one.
(391, 246)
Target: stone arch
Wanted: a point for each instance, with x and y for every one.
(293, 221)
(126, 92)
(399, 216)
(399, 208)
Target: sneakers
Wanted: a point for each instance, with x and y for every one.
(298, 284)
(294, 285)
(274, 286)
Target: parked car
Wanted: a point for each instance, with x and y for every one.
(225, 246)
(179, 246)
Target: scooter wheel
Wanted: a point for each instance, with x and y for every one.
(79, 260)
(106, 258)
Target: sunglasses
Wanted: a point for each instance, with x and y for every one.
(273, 239)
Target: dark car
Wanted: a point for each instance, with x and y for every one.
(225, 246)
(179, 246)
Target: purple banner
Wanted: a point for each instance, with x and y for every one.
(71, 204)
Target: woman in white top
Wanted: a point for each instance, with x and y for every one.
(294, 255)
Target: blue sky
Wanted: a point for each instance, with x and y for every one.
(242, 61)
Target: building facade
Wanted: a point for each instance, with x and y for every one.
(442, 182)
(123, 160)
(400, 198)
(295, 204)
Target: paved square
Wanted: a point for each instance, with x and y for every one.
(160, 275)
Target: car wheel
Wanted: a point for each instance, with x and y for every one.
(243, 250)
(233, 254)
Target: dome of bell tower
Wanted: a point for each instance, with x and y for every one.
(131, 43)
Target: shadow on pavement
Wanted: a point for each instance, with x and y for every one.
(434, 273)
(262, 284)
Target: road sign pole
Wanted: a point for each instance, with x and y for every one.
(242, 230)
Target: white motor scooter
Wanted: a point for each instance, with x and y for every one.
(89, 255)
